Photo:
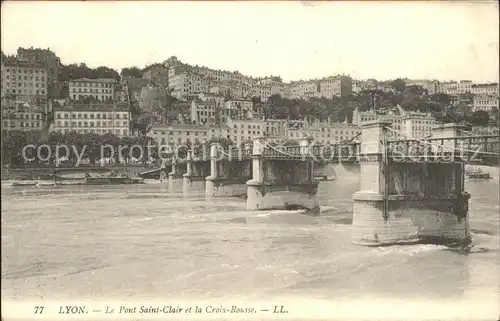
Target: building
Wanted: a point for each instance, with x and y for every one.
(404, 124)
(243, 130)
(454, 88)
(187, 84)
(22, 117)
(275, 128)
(203, 112)
(47, 58)
(322, 132)
(485, 89)
(219, 100)
(484, 102)
(338, 86)
(184, 134)
(179, 134)
(262, 91)
(87, 119)
(303, 89)
(431, 86)
(24, 81)
(239, 108)
(357, 86)
(102, 89)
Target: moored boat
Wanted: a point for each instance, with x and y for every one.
(320, 177)
(112, 180)
(26, 183)
(46, 183)
(477, 173)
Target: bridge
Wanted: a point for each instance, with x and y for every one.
(411, 190)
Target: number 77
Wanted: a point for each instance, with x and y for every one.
(38, 310)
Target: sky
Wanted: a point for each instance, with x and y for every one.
(295, 40)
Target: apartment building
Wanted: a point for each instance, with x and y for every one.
(408, 124)
(242, 130)
(357, 86)
(484, 102)
(102, 89)
(22, 117)
(431, 86)
(86, 119)
(237, 109)
(203, 112)
(418, 125)
(454, 88)
(275, 128)
(24, 81)
(323, 132)
(47, 58)
(337, 86)
(304, 89)
(179, 134)
(262, 91)
(187, 84)
(219, 100)
(485, 89)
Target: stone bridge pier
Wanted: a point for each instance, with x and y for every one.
(178, 169)
(197, 168)
(228, 173)
(407, 199)
(280, 181)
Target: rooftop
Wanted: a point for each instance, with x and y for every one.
(91, 108)
(14, 62)
(180, 126)
(108, 80)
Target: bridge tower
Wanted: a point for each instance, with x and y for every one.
(280, 181)
(408, 199)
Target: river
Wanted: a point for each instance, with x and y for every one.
(143, 241)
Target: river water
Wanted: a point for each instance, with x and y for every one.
(143, 241)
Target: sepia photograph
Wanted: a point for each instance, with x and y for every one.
(250, 160)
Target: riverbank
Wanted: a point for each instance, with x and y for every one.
(70, 172)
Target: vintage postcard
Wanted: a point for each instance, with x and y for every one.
(238, 160)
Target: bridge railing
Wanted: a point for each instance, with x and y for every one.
(244, 152)
(465, 148)
(282, 152)
(315, 152)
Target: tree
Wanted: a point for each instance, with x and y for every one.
(415, 90)
(494, 115)
(64, 91)
(480, 118)
(398, 85)
(441, 98)
(131, 72)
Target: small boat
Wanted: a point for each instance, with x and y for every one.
(477, 173)
(46, 183)
(24, 183)
(70, 183)
(321, 177)
(112, 180)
